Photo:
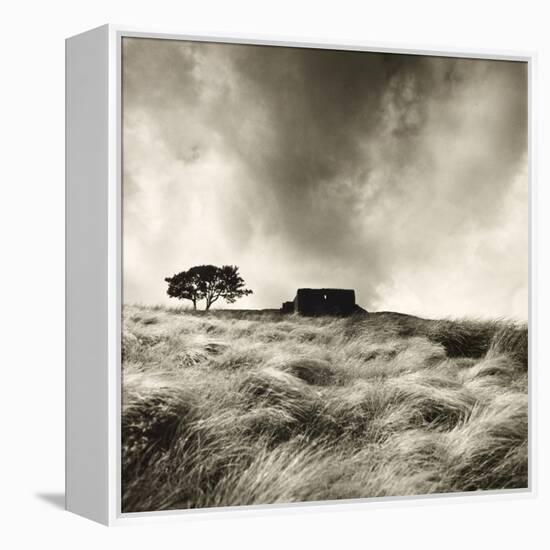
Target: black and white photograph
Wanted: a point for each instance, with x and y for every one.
(325, 274)
(275, 275)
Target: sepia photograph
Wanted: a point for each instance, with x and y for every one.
(325, 274)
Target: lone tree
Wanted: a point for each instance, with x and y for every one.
(207, 282)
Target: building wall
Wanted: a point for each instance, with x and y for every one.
(324, 301)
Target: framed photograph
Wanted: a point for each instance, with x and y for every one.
(296, 274)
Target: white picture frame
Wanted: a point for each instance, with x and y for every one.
(93, 274)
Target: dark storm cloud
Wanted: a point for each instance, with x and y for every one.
(356, 169)
(325, 107)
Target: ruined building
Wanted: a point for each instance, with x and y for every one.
(323, 301)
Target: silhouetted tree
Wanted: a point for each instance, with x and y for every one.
(185, 286)
(208, 282)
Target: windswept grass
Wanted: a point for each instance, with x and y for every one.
(235, 408)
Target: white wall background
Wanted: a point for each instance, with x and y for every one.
(32, 285)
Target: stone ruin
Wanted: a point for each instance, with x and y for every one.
(323, 301)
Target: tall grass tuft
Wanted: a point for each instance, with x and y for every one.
(511, 340)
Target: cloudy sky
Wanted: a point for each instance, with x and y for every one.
(403, 177)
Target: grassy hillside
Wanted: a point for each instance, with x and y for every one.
(231, 408)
